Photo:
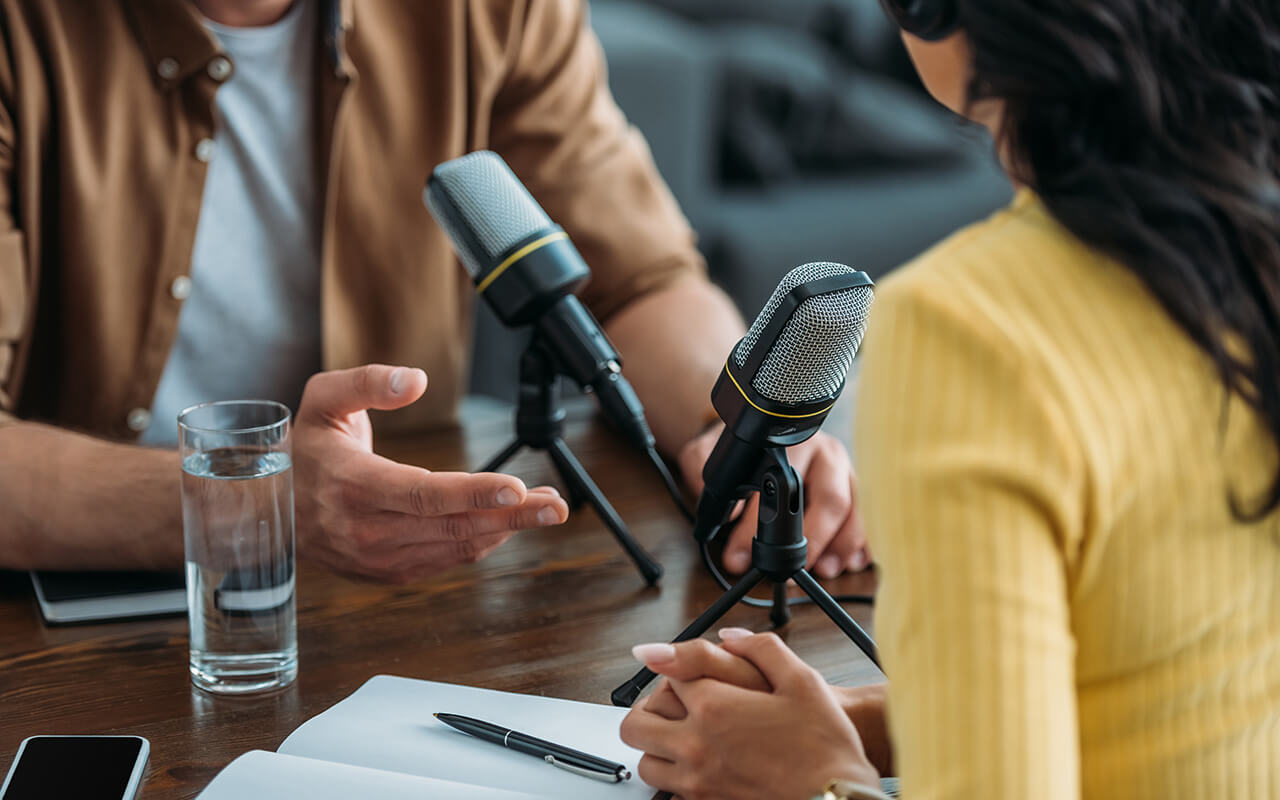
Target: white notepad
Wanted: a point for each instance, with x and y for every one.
(382, 743)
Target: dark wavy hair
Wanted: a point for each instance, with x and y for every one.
(1151, 130)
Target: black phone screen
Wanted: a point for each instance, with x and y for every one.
(81, 767)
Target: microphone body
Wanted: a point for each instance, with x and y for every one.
(527, 269)
(782, 379)
(726, 476)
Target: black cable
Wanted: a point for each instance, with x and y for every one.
(759, 603)
(673, 488)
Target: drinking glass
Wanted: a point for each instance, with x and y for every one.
(237, 514)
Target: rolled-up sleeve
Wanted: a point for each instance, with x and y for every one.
(14, 297)
(557, 125)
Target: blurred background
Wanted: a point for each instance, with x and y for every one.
(790, 131)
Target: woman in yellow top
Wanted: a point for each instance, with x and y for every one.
(1067, 440)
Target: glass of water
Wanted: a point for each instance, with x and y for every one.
(237, 513)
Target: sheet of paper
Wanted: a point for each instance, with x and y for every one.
(387, 725)
(258, 775)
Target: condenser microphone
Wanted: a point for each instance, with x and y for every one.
(526, 268)
(782, 378)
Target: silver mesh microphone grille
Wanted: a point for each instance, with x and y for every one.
(493, 204)
(809, 360)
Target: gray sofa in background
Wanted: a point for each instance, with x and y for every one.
(790, 131)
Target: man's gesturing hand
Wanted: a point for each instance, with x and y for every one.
(832, 523)
(362, 514)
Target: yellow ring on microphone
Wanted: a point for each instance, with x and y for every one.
(517, 255)
(738, 386)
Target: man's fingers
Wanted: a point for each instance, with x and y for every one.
(693, 456)
(389, 529)
(416, 562)
(737, 550)
(698, 658)
(861, 556)
(378, 483)
(864, 557)
(347, 391)
(848, 550)
(397, 546)
(780, 666)
(538, 511)
(828, 507)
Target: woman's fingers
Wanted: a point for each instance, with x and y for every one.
(777, 663)
(651, 733)
(699, 658)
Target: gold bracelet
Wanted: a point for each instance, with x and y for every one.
(848, 790)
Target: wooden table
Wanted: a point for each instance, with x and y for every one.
(552, 612)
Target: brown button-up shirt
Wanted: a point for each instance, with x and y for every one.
(106, 105)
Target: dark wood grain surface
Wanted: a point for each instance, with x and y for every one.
(553, 612)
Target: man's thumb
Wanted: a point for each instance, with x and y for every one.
(377, 386)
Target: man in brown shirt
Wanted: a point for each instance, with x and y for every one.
(108, 125)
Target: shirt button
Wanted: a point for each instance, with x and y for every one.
(167, 69)
(138, 420)
(180, 288)
(204, 150)
(220, 68)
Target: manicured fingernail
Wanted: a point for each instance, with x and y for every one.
(548, 516)
(653, 653)
(733, 634)
(737, 560)
(829, 566)
(508, 497)
(398, 380)
(859, 561)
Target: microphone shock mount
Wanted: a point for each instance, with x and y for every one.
(778, 553)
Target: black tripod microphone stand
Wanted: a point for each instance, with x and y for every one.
(539, 425)
(778, 552)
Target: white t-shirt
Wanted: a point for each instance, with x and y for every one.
(250, 327)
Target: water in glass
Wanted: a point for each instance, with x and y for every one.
(237, 505)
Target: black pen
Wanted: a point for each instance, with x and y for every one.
(565, 758)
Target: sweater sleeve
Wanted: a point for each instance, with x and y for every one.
(971, 488)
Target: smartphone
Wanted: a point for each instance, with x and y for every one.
(80, 767)
(67, 597)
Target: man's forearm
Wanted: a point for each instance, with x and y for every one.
(68, 501)
(674, 342)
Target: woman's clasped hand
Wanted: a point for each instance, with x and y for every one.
(745, 719)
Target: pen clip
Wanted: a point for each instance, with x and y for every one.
(607, 777)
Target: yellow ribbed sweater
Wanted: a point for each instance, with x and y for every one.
(1067, 607)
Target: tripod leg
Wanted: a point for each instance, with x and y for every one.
(838, 615)
(627, 693)
(497, 461)
(780, 614)
(578, 479)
